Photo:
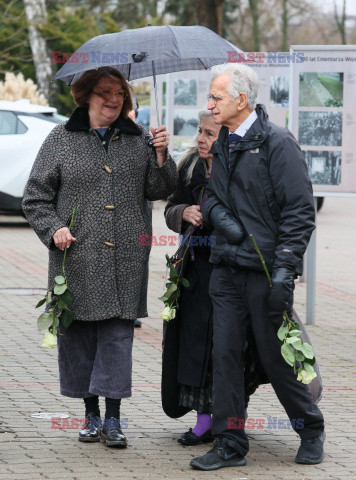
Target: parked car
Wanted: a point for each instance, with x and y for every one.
(23, 128)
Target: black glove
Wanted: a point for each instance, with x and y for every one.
(281, 295)
(226, 224)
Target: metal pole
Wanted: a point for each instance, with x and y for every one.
(303, 276)
(156, 93)
(311, 275)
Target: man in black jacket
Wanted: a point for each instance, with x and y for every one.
(259, 185)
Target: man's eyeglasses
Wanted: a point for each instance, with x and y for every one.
(106, 94)
(216, 98)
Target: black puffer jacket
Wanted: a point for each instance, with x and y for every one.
(268, 189)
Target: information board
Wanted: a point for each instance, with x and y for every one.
(322, 115)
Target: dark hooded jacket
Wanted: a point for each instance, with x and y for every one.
(268, 189)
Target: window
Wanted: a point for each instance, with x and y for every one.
(21, 127)
(10, 124)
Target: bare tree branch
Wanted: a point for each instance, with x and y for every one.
(341, 21)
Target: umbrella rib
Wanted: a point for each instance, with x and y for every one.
(174, 39)
(205, 68)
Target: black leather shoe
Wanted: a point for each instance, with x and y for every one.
(111, 434)
(190, 438)
(311, 450)
(219, 456)
(92, 429)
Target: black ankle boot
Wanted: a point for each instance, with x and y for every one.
(111, 433)
(92, 429)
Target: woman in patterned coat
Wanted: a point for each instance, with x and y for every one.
(100, 162)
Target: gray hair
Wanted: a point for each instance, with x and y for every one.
(192, 150)
(243, 79)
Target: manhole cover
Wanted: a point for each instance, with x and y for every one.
(23, 291)
(49, 415)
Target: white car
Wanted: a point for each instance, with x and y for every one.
(23, 128)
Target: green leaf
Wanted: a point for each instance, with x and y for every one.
(299, 356)
(293, 340)
(171, 289)
(164, 298)
(59, 289)
(307, 350)
(55, 322)
(310, 360)
(282, 332)
(49, 297)
(61, 304)
(307, 367)
(45, 321)
(67, 318)
(184, 282)
(67, 297)
(298, 345)
(295, 332)
(173, 276)
(41, 302)
(288, 354)
(60, 280)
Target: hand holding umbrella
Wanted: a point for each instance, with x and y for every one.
(160, 142)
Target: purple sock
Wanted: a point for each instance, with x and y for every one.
(203, 424)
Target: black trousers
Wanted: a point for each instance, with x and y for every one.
(241, 297)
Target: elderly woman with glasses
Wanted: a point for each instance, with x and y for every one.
(100, 162)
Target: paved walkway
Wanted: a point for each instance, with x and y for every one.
(35, 448)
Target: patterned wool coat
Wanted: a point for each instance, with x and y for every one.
(106, 268)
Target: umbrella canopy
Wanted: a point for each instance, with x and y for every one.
(149, 51)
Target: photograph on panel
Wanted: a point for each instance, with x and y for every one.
(320, 128)
(324, 167)
(321, 89)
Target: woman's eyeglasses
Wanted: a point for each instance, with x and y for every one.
(107, 94)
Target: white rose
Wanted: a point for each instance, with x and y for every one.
(50, 340)
(168, 313)
(305, 377)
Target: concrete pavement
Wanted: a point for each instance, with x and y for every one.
(35, 448)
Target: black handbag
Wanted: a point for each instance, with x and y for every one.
(180, 257)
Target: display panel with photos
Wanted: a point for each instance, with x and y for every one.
(143, 117)
(179, 146)
(142, 92)
(164, 94)
(324, 166)
(185, 122)
(185, 92)
(320, 128)
(279, 92)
